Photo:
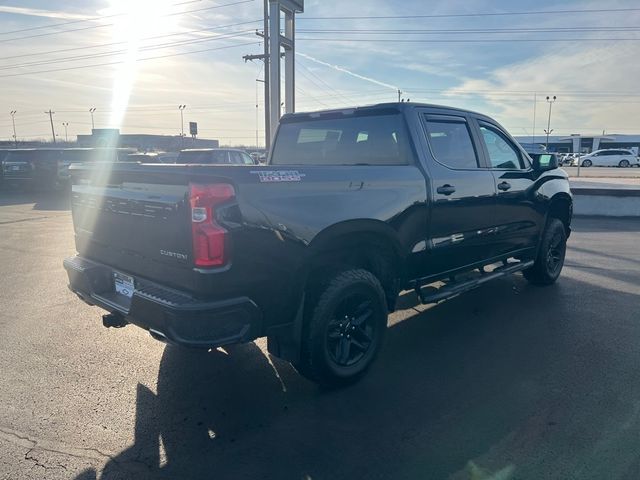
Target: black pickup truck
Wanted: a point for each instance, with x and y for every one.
(313, 249)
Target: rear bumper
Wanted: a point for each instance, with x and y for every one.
(169, 315)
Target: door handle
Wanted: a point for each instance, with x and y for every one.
(504, 186)
(446, 189)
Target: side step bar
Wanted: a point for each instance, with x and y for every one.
(434, 295)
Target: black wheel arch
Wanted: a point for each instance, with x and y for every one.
(561, 207)
(368, 244)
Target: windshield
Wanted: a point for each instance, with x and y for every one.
(355, 140)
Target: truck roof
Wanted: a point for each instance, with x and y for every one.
(381, 107)
(211, 150)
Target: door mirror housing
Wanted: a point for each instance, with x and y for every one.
(545, 161)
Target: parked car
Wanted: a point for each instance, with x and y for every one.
(563, 158)
(39, 168)
(3, 153)
(167, 157)
(313, 249)
(545, 157)
(142, 157)
(259, 157)
(218, 156)
(610, 158)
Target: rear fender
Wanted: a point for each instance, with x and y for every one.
(284, 341)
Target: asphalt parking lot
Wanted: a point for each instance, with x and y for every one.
(509, 381)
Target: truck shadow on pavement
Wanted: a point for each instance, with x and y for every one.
(43, 201)
(507, 378)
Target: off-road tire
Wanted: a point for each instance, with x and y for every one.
(551, 254)
(328, 325)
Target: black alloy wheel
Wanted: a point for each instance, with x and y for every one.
(351, 331)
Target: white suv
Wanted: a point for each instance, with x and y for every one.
(610, 158)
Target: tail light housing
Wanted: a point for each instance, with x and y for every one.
(209, 238)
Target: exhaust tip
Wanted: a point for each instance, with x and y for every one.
(161, 337)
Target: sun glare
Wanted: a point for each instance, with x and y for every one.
(137, 20)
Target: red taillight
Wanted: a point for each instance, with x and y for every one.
(209, 249)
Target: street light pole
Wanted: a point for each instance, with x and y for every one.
(91, 110)
(13, 120)
(181, 108)
(65, 125)
(550, 101)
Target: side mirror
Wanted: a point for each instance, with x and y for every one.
(544, 162)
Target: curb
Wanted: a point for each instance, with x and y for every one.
(606, 202)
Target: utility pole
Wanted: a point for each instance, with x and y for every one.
(548, 130)
(273, 43)
(181, 108)
(53, 132)
(399, 95)
(533, 132)
(257, 113)
(13, 120)
(91, 111)
(65, 125)
(267, 111)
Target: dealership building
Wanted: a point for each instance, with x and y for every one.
(583, 143)
(111, 137)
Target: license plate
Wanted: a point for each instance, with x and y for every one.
(124, 284)
(15, 168)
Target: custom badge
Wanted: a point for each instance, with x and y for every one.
(268, 176)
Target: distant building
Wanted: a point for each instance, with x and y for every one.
(111, 137)
(583, 143)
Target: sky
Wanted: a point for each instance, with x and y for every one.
(135, 61)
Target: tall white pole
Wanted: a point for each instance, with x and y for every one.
(267, 109)
(533, 132)
(274, 66)
(289, 63)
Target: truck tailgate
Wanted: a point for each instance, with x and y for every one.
(137, 219)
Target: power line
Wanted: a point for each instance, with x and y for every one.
(85, 47)
(307, 94)
(354, 31)
(137, 60)
(320, 79)
(118, 52)
(91, 19)
(111, 24)
(467, 40)
(476, 14)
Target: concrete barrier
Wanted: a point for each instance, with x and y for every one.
(608, 202)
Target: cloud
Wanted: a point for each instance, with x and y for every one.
(591, 83)
(36, 12)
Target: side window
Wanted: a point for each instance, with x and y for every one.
(450, 143)
(502, 153)
(246, 159)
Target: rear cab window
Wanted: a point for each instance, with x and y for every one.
(450, 141)
(365, 139)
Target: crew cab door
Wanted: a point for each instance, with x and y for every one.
(519, 218)
(462, 193)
